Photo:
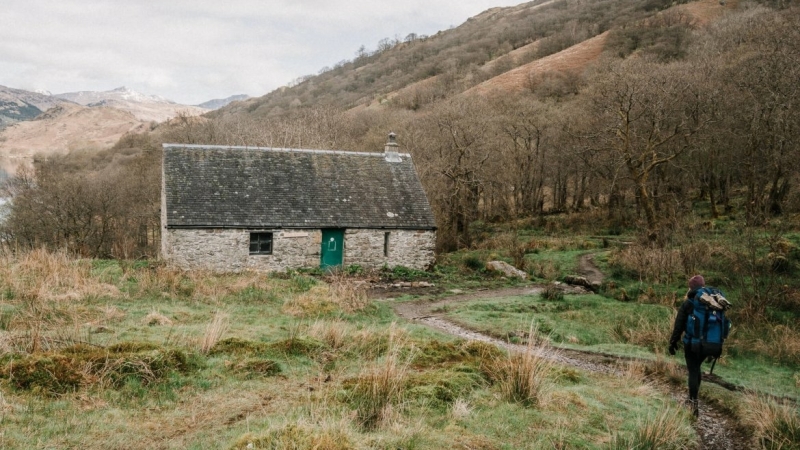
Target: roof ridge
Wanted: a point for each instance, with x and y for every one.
(273, 149)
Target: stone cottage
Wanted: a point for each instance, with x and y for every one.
(229, 209)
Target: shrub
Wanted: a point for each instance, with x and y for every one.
(473, 262)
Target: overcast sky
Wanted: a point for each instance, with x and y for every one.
(191, 51)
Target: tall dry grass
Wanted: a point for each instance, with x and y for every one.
(661, 368)
(651, 264)
(300, 435)
(44, 290)
(648, 333)
(214, 331)
(341, 294)
(524, 376)
(197, 284)
(780, 342)
(776, 426)
(379, 388)
(50, 276)
(336, 334)
(668, 429)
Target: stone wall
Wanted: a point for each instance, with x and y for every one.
(229, 250)
(223, 250)
(409, 248)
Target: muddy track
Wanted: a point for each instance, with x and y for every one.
(716, 429)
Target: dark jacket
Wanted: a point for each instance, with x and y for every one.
(683, 317)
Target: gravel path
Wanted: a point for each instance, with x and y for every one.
(716, 429)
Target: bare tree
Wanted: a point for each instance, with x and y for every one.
(647, 115)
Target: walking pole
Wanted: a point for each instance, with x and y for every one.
(713, 363)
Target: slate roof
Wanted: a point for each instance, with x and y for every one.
(247, 187)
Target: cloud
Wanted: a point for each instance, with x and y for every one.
(194, 50)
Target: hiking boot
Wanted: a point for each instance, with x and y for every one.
(695, 405)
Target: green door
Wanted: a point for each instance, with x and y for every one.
(332, 253)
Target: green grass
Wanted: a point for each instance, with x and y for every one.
(565, 322)
(599, 324)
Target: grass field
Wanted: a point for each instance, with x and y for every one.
(115, 354)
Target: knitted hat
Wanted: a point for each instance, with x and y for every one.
(696, 282)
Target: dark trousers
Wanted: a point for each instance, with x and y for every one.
(693, 363)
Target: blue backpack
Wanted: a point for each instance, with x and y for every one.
(707, 327)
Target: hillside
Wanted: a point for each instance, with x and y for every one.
(65, 127)
(452, 61)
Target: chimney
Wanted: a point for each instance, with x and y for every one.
(390, 150)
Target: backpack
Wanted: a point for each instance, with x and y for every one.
(707, 327)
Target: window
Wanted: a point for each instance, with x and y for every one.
(386, 244)
(260, 243)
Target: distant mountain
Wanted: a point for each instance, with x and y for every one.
(87, 98)
(17, 105)
(220, 102)
(142, 106)
(65, 127)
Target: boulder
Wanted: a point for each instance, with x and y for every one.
(593, 286)
(506, 269)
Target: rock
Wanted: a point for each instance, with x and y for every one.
(582, 281)
(506, 269)
(456, 291)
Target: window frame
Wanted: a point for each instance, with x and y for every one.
(259, 238)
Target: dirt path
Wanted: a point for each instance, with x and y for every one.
(716, 429)
(588, 270)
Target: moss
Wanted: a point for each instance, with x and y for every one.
(132, 347)
(255, 368)
(58, 373)
(298, 346)
(440, 388)
(459, 355)
(236, 346)
(47, 374)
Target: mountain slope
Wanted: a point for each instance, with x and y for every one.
(17, 105)
(65, 127)
(500, 48)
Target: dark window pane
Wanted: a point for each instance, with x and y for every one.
(260, 243)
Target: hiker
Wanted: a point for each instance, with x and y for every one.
(704, 307)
